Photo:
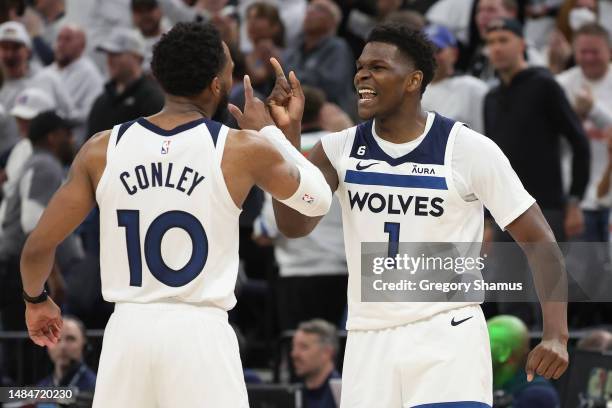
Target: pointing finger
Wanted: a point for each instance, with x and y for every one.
(248, 89)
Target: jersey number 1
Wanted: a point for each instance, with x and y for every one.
(130, 220)
(393, 229)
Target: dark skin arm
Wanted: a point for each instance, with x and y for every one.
(532, 232)
(286, 104)
(65, 212)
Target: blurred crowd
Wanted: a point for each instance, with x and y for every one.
(541, 88)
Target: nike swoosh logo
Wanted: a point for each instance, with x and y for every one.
(360, 167)
(458, 322)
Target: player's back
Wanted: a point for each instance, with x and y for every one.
(168, 225)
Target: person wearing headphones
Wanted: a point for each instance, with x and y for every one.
(69, 368)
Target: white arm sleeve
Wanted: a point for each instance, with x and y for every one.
(483, 172)
(313, 196)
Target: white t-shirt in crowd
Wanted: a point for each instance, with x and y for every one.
(460, 98)
(600, 118)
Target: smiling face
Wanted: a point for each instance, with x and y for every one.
(385, 78)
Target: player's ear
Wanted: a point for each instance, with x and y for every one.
(215, 86)
(413, 82)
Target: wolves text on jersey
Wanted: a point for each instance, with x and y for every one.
(396, 203)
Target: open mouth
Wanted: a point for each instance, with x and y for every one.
(367, 94)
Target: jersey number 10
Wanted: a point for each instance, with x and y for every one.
(130, 220)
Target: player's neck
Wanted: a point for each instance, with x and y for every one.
(179, 106)
(401, 127)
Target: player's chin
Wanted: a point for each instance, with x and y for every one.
(365, 112)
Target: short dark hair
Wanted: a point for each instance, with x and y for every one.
(43, 125)
(412, 43)
(594, 29)
(187, 58)
(313, 103)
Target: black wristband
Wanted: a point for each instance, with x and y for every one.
(38, 299)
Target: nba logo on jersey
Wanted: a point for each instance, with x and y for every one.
(165, 147)
(308, 198)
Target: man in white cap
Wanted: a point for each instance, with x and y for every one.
(15, 51)
(29, 103)
(129, 94)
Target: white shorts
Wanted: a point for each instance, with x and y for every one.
(159, 355)
(425, 363)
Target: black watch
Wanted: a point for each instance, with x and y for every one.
(38, 299)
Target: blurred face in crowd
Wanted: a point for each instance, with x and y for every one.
(70, 346)
(44, 5)
(505, 49)
(14, 59)
(309, 355)
(489, 10)
(147, 19)
(385, 7)
(62, 144)
(384, 76)
(23, 126)
(592, 53)
(124, 66)
(259, 27)
(214, 6)
(590, 4)
(318, 19)
(69, 45)
(446, 59)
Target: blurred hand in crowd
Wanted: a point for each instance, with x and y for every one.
(559, 52)
(584, 102)
(574, 220)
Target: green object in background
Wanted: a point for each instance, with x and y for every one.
(509, 339)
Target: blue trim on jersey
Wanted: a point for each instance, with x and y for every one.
(122, 128)
(458, 404)
(213, 127)
(395, 180)
(430, 151)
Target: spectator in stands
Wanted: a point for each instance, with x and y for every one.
(30, 103)
(314, 349)
(148, 18)
(79, 75)
(459, 97)
(129, 94)
(322, 59)
(509, 349)
(41, 176)
(588, 86)
(15, 51)
(361, 24)
(69, 368)
(478, 63)
(11, 10)
(572, 15)
(312, 270)
(526, 115)
(267, 34)
(597, 340)
(53, 13)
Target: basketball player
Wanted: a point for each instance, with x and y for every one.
(170, 188)
(413, 176)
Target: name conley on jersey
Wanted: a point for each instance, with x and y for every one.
(397, 203)
(160, 174)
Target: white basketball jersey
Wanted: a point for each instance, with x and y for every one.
(168, 225)
(411, 198)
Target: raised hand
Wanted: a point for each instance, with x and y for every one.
(286, 101)
(255, 115)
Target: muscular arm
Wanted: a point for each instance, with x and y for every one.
(65, 212)
(531, 231)
(293, 224)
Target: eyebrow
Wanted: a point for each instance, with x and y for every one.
(374, 61)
